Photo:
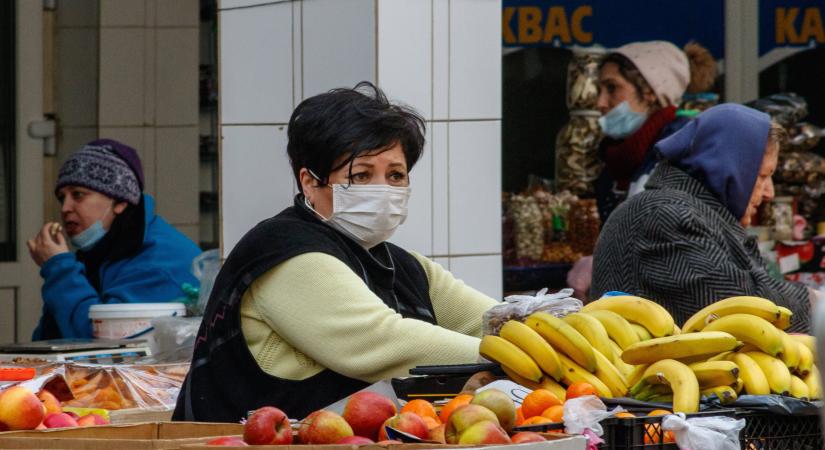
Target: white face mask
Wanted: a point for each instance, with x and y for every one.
(368, 213)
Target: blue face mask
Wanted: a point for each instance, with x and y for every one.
(621, 121)
(89, 237)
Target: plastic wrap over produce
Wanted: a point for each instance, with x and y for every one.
(577, 160)
(518, 307)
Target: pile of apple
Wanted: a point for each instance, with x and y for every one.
(485, 418)
(21, 409)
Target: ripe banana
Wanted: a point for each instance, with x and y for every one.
(720, 357)
(726, 394)
(641, 332)
(756, 306)
(715, 373)
(738, 386)
(625, 368)
(574, 373)
(545, 383)
(617, 328)
(564, 338)
(554, 387)
(756, 383)
(799, 389)
(681, 379)
(750, 330)
(806, 359)
(777, 373)
(676, 329)
(807, 341)
(507, 354)
(593, 331)
(646, 313)
(784, 321)
(685, 345)
(610, 376)
(790, 351)
(814, 384)
(534, 345)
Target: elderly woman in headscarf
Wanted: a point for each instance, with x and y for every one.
(682, 242)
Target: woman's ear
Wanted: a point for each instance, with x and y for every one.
(120, 207)
(307, 183)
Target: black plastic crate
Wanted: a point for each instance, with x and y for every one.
(764, 431)
(645, 432)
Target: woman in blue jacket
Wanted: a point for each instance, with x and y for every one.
(124, 252)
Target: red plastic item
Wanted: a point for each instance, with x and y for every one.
(17, 373)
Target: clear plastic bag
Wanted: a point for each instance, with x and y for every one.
(518, 307)
(707, 433)
(205, 268)
(174, 338)
(115, 387)
(586, 413)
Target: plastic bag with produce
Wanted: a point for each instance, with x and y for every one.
(708, 433)
(518, 307)
(585, 413)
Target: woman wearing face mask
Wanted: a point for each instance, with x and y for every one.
(682, 242)
(313, 304)
(124, 251)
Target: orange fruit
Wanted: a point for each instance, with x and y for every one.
(580, 389)
(536, 420)
(519, 416)
(537, 401)
(653, 431)
(625, 415)
(554, 413)
(458, 400)
(421, 407)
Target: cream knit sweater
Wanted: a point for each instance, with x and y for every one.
(312, 312)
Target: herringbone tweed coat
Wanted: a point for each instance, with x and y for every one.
(675, 243)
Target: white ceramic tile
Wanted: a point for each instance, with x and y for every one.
(338, 44)
(150, 70)
(78, 13)
(439, 145)
(121, 76)
(77, 76)
(256, 179)
(475, 59)
(177, 76)
(177, 13)
(228, 4)
(416, 233)
(8, 314)
(148, 155)
(441, 59)
(256, 64)
(151, 10)
(176, 158)
(297, 54)
(475, 187)
(444, 262)
(404, 64)
(482, 273)
(71, 139)
(118, 13)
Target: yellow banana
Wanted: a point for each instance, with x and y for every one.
(720, 357)
(756, 306)
(574, 373)
(790, 351)
(814, 384)
(617, 328)
(637, 373)
(518, 379)
(534, 345)
(646, 313)
(554, 387)
(750, 329)
(641, 332)
(564, 338)
(806, 359)
(625, 368)
(593, 331)
(738, 386)
(784, 321)
(799, 389)
(756, 383)
(715, 373)
(507, 354)
(807, 341)
(676, 329)
(546, 382)
(610, 376)
(726, 394)
(682, 382)
(777, 373)
(685, 345)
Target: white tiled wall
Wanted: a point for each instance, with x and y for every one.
(442, 57)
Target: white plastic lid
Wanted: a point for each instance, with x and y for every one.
(136, 310)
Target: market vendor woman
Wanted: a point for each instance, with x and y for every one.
(313, 304)
(125, 253)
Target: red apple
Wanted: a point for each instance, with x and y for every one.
(51, 402)
(20, 409)
(484, 432)
(355, 440)
(366, 411)
(407, 422)
(91, 420)
(499, 403)
(59, 420)
(267, 426)
(323, 427)
(464, 417)
(527, 436)
(229, 441)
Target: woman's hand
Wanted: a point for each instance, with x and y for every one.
(49, 242)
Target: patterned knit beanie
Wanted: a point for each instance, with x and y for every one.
(106, 166)
(664, 66)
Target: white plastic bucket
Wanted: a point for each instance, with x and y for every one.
(130, 320)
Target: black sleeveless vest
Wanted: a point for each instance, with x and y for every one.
(224, 380)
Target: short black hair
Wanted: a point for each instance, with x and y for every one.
(350, 122)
